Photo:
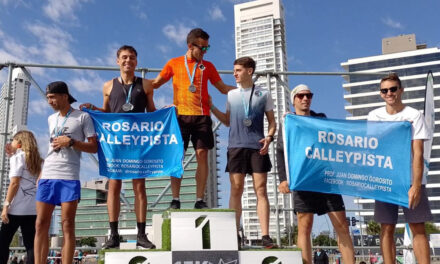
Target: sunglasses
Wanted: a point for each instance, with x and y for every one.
(202, 48)
(301, 96)
(391, 89)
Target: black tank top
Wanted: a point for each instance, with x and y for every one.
(118, 97)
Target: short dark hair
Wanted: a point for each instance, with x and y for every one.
(392, 77)
(246, 62)
(195, 34)
(126, 47)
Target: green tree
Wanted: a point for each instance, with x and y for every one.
(324, 240)
(373, 228)
(431, 228)
(88, 241)
(293, 236)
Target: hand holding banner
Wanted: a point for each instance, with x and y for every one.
(356, 158)
(139, 145)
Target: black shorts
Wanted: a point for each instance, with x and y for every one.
(245, 160)
(198, 129)
(317, 203)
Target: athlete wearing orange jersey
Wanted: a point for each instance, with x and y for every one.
(190, 75)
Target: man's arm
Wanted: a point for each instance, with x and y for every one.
(270, 132)
(149, 92)
(222, 87)
(156, 83)
(106, 97)
(283, 187)
(91, 146)
(223, 117)
(417, 173)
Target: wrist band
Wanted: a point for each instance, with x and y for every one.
(271, 137)
(212, 107)
(91, 107)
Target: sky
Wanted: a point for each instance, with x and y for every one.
(319, 36)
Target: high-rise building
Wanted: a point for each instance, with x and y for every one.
(17, 119)
(412, 62)
(260, 34)
(92, 217)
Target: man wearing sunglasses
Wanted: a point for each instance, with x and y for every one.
(419, 212)
(306, 203)
(190, 75)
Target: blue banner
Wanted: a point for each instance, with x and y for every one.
(139, 145)
(356, 158)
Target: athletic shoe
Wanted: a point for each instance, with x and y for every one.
(200, 205)
(268, 242)
(112, 242)
(175, 204)
(143, 242)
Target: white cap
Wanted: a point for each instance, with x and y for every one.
(297, 89)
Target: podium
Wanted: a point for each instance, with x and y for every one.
(199, 237)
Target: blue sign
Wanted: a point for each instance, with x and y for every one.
(356, 158)
(139, 145)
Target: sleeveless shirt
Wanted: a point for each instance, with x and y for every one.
(118, 98)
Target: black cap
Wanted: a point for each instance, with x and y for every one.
(59, 87)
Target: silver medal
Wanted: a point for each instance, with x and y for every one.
(127, 107)
(247, 122)
(192, 88)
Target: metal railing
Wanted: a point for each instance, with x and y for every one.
(268, 74)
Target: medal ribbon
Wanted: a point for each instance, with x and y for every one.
(247, 108)
(191, 78)
(57, 132)
(129, 91)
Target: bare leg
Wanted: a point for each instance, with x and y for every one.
(140, 200)
(202, 171)
(175, 186)
(420, 243)
(387, 245)
(113, 200)
(237, 184)
(42, 224)
(68, 211)
(344, 240)
(305, 223)
(260, 180)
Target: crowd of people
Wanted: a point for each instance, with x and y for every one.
(37, 187)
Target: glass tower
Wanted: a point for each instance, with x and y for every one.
(411, 61)
(260, 34)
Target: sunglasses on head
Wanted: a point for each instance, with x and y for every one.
(202, 48)
(301, 96)
(391, 89)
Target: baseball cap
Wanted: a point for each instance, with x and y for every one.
(297, 89)
(59, 87)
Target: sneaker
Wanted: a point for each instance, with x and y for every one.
(268, 242)
(143, 242)
(175, 204)
(200, 205)
(112, 242)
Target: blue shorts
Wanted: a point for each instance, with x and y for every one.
(58, 191)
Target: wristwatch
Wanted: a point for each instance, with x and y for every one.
(6, 203)
(271, 137)
(71, 142)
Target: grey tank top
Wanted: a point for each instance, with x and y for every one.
(118, 97)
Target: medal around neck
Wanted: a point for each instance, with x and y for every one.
(127, 107)
(192, 88)
(247, 122)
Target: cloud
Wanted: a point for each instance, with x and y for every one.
(38, 107)
(176, 33)
(391, 23)
(137, 8)
(90, 82)
(55, 44)
(62, 9)
(163, 48)
(216, 14)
